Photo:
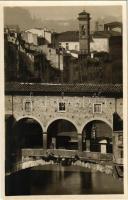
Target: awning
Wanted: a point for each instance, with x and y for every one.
(71, 134)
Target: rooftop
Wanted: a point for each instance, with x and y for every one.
(83, 13)
(87, 88)
(12, 27)
(114, 24)
(73, 36)
(106, 34)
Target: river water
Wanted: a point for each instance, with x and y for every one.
(59, 180)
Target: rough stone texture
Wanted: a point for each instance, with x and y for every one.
(79, 110)
(118, 147)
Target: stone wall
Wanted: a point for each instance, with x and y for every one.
(118, 147)
(78, 110)
(99, 44)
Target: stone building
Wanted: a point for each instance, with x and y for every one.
(99, 40)
(75, 56)
(113, 26)
(32, 35)
(31, 62)
(69, 116)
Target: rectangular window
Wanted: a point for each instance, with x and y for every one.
(97, 108)
(61, 106)
(28, 106)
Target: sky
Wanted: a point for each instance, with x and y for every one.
(70, 12)
(59, 18)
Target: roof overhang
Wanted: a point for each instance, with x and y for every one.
(85, 89)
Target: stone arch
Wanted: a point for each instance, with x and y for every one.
(28, 132)
(97, 135)
(63, 118)
(62, 134)
(95, 118)
(32, 117)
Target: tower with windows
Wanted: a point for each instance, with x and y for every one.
(84, 32)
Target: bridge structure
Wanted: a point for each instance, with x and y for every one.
(97, 161)
(67, 120)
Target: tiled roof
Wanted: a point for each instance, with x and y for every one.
(113, 24)
(97, 89)
(72, 36)
(105, 34)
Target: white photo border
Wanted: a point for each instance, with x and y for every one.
(125, 90)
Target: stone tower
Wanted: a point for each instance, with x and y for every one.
(84, 32)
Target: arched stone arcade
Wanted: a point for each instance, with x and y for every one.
(97, 137)
(62, 134)
(28, 133)
(81, 102)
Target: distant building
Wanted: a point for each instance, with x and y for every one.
(69, 40)
(113, 26)
(35, 34)
(11, 28)
(29, 37)
(54, 56)
(99, 40)
(12, 32)
(40, 40)
(99, 26)
(78, 55)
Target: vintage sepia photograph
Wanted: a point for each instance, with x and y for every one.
(63, 78)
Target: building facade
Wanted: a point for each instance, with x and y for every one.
(32, 35)
(64, 116)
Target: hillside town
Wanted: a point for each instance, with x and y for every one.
(40, 55)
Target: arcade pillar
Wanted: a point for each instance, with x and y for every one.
(44, 140)
(80, 141)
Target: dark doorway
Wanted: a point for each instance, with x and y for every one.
(62, 134)
(28, 133)
(97, 135)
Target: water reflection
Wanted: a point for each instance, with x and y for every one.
(56, 180)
